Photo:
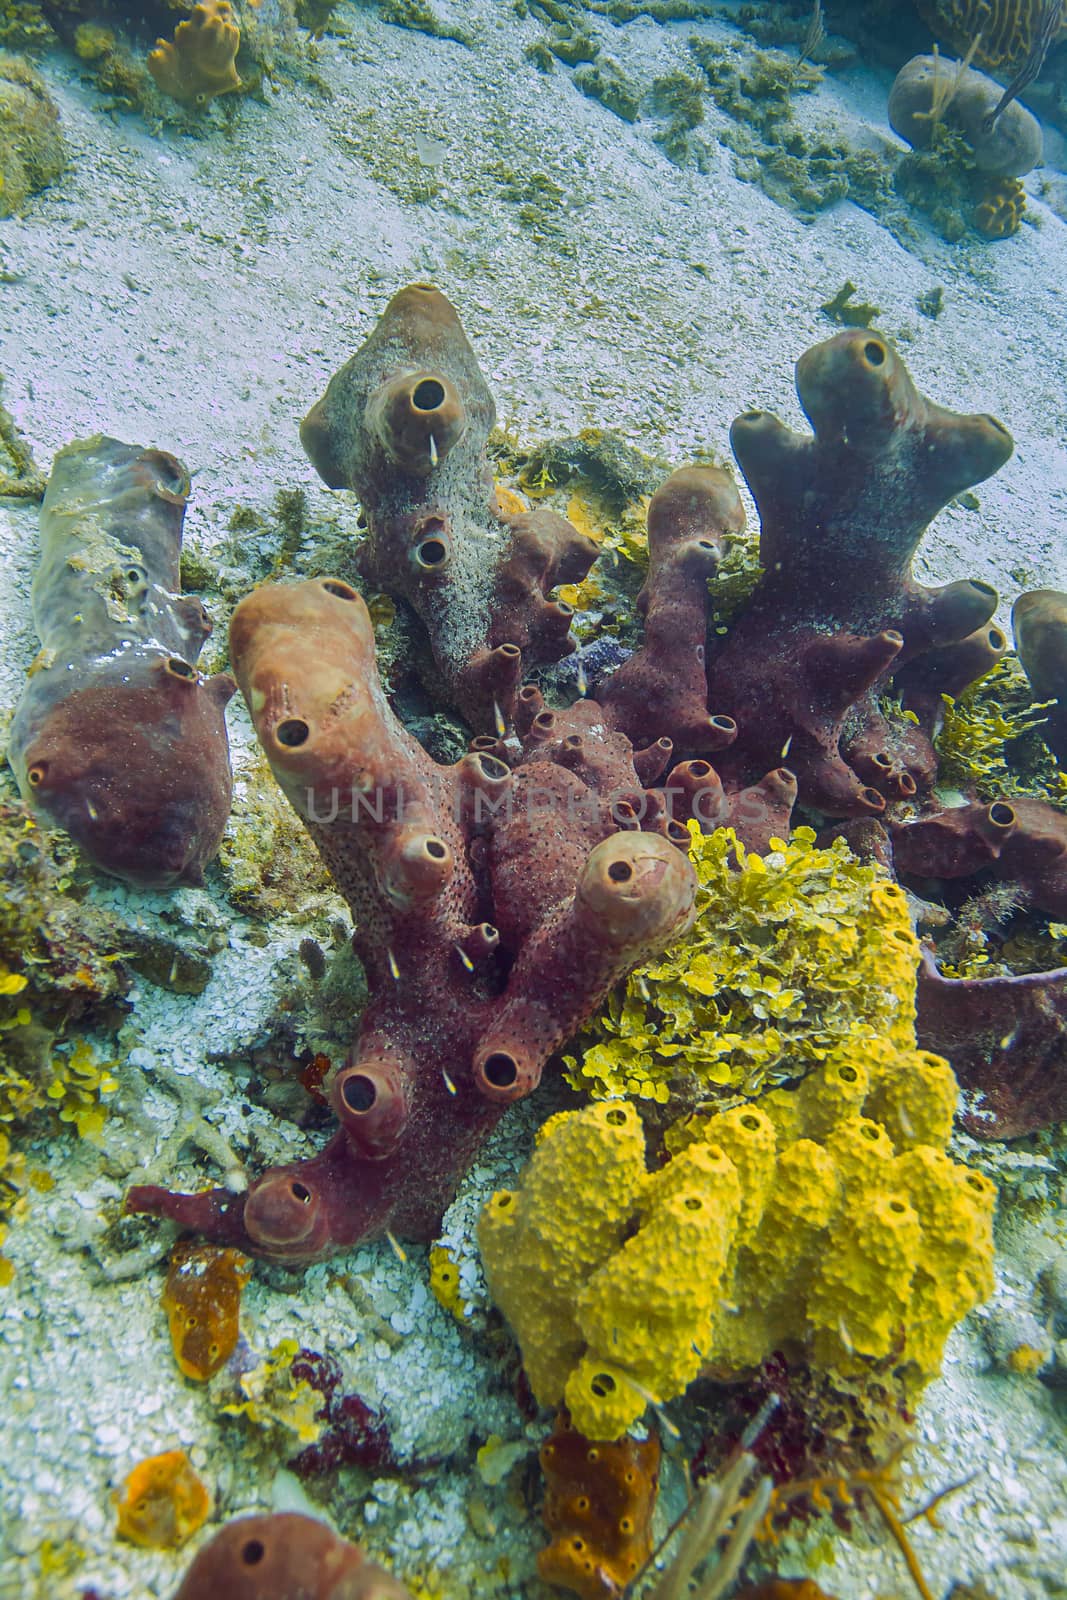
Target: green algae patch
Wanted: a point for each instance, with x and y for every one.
(420, 18)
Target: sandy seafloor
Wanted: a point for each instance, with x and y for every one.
(196, 293)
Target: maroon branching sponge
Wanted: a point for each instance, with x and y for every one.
(1007, 1041)
(494, 907)
(404, 423)
(663, 690)
(497, 900)
(659, 697)
(1022, 842)
(837, 610)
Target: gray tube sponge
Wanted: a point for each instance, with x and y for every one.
(118, 738)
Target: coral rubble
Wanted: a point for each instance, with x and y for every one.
(118, 737)
(281, 1556)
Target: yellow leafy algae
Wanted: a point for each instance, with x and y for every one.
(791, 954)
(993, 714)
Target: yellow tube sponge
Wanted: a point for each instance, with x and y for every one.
(772, 1272)
(747, 1136)
(857, 1251)
(859, 1301)
(811, 1108)
(862, 1152)
(541, 1242)
(913, 1095)
(646, 1303)
(954, 1269)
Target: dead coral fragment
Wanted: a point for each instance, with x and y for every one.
(163, 1502)
(198, 64)
(598, 1507)
(848, 312)
(202, 1299)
